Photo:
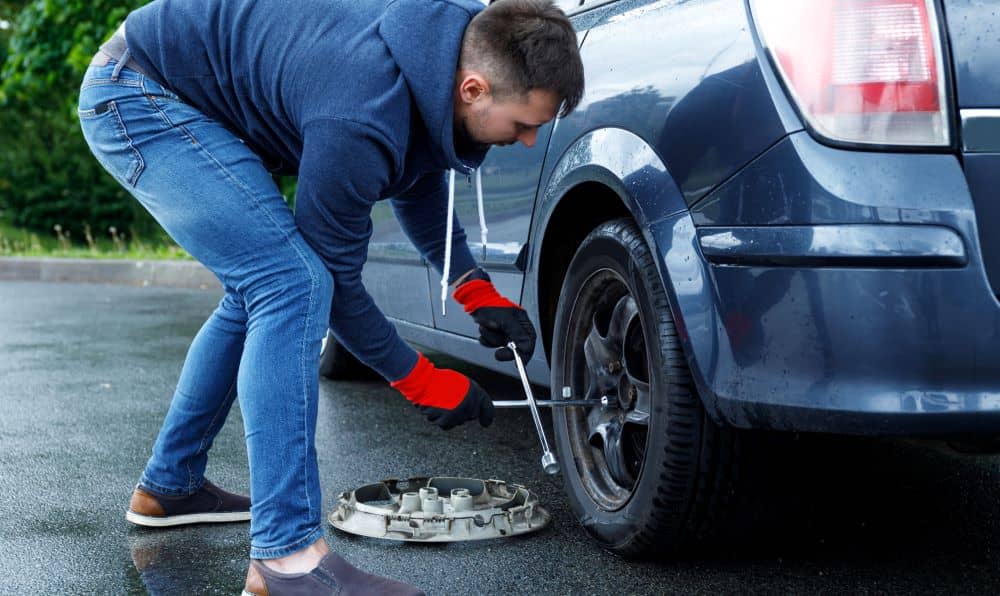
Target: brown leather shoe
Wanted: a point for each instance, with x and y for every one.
(333, 575)
(210, 504)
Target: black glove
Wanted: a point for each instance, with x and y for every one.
(500, 320)
(475, 404)
(500, 325)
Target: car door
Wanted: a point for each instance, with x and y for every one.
(395, 273)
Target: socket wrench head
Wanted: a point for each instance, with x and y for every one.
(549, 463)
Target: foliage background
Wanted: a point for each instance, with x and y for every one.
(48, 176)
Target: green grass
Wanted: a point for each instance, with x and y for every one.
(17, 242)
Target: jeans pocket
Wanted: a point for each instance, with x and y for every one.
(158, 91)
(110, 143)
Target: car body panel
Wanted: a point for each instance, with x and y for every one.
(974, 36)
(687, 98)
(814, 288)
(394, 263)
(982, 172)
(792, 341)
(836, 245)
(974, 40)
(801, 181)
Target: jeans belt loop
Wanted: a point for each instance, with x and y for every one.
(121, 64)
(118, 49)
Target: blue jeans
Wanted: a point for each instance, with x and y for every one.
(216, 198)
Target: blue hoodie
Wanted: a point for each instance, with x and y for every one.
(353, 96)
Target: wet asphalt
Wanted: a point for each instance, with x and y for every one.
(86, 373)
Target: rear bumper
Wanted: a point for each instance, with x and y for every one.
(835, 291)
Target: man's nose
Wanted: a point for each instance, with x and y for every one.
(528, 137)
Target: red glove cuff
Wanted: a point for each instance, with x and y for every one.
(427, 385)
(478, 293)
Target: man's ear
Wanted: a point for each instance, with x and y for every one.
(473, 86)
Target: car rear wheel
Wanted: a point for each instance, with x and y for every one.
(339, 364)
(645, 470)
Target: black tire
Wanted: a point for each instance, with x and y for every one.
(667, 482)
(339, 364)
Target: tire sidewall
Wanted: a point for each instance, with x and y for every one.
(601, 250)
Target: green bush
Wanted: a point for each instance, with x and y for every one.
(47, 175)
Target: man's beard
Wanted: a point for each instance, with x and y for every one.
(465, 143)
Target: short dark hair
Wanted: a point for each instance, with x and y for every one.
(521, 45)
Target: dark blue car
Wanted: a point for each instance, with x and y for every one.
(769, 214)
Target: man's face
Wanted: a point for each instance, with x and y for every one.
(485, 121)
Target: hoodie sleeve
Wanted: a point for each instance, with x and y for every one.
(344, 168)
(422, 212)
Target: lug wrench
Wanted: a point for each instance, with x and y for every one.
(549, 463)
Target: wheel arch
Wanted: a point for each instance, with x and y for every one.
(566, 231)
(605, 174)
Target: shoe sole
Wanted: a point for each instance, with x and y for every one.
(189, 518)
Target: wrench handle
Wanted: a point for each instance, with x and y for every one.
(549, 462)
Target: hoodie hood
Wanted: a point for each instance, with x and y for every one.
(425, 39)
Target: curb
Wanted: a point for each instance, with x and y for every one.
(172, 274)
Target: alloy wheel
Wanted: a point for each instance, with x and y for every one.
(609, 366)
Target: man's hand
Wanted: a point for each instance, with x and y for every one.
(446, 397)
(475, 405)
(500, 320)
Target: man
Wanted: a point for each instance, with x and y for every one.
(194, 104)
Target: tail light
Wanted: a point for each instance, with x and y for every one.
(860, 71)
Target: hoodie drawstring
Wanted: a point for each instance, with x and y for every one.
(483, 232)
(447, 242)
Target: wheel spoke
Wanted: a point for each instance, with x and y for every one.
(595, 417)
(636, 375)
(621, 317)
(608, 436)
(641, 401)
(598, 434)
(635, 447)
(598, 349)
(599, 356)
(639, 414)
(592, 391)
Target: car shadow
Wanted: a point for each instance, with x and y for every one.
(831, 498)
(843, 498)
